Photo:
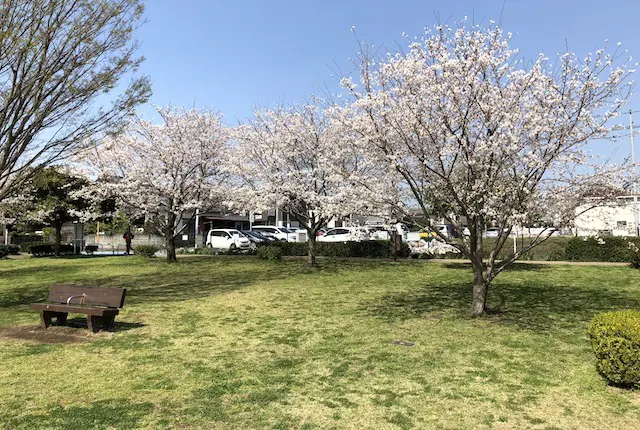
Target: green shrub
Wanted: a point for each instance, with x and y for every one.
(146, 250)
(270, 253)
(10, 249)
(615, 338)
(634, 252)
(203, 250)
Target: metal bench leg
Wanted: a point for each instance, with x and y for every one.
(45, 319)
(94, 323)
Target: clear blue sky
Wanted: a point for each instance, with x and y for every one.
(235, 55)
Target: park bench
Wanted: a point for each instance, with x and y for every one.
(100, 305)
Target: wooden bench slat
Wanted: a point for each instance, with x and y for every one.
(98, 296)
(74, 309)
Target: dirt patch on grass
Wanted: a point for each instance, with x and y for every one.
(51, 335)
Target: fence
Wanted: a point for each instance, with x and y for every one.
(116, 243)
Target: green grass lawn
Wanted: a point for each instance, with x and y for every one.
(217, 342)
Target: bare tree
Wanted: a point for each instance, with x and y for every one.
(60, 62)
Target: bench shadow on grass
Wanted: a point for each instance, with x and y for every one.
(81, 323)
(538, 307)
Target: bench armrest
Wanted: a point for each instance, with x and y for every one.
(82, 296)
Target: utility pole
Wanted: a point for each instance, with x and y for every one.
(635, 177)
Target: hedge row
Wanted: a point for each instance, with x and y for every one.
(605, 249)
(364, 249)
(25, 246)
(47, 249)
(610, 248)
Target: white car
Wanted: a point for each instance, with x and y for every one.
(227, 240)
(280, 233)
(494, 232)
(344, 234)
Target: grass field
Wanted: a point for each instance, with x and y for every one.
(216, 342)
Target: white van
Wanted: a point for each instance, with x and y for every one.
(280, 233)
(227, 240)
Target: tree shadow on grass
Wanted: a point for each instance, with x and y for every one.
(22, 296)
(115, 413)
(516, 267)
(538, 307)
(161, 282)
(40, 270)
(166, 287)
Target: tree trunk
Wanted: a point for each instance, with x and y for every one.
(480, 283)
(480, 293)
(58, 239)
(170, 235)
(171, 249)
(312, 247)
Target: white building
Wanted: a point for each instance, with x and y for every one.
(608, 219)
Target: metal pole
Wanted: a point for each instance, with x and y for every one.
(635, 177)
(195, 236)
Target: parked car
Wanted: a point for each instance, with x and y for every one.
(257, 237)
(445, 230)
(492, 232)
(438, 230)
(344, 234)
(280, 233)
(378, 232)
(227, 240)
(322, 231)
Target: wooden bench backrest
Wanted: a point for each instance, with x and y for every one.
(96, 296)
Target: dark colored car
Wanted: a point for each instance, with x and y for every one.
(257, 237)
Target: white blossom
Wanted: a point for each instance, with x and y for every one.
(163, 172)
(472, 131)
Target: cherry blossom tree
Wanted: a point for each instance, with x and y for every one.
(298, 160)
(163, 172)
(474, 133)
